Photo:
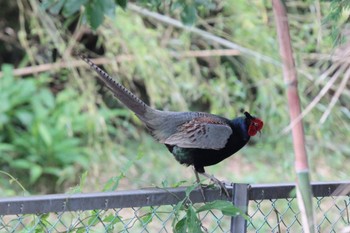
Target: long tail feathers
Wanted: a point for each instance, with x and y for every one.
(119, 91)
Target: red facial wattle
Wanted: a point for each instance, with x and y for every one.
(255, 126)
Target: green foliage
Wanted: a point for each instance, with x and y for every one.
(113, 183)
(189, 10)
(225, 207)
(94, 11)
(338, 17)
(12, 180)
(337, 8)
(39, 131)
(190, 221)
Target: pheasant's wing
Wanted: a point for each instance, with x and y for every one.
(205, 132)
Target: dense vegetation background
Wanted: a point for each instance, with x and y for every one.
(59, 128)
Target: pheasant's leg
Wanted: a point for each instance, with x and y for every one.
(200, 185)
(218, 182)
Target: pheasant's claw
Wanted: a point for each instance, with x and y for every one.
(223, 189)
(219, 183)
(200, 186)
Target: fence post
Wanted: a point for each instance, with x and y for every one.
(240, 200)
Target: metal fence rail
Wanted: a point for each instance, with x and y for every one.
(271, 208)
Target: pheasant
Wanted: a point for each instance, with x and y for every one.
(194, 138)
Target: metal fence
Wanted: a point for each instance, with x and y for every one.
(270, 208)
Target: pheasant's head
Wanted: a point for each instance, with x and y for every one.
(254, 124)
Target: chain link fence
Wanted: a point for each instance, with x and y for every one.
(150, 219)
(283, 215)
(270, 208)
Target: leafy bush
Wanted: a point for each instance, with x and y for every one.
(41, 134)
(94, 11)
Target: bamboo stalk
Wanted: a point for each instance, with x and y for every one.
(304, 194)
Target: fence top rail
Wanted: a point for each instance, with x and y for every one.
(102, 200)
(287, 190)
(150, 197)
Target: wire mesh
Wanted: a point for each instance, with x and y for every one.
(265, 213)
(141, 219)
(283, 215)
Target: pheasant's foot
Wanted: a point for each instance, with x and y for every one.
(219, 183)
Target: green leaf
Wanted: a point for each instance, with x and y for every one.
(47, 98)
(45, 134)
(165, 184)
(45, 4)
(122, 3)
(5, 105)
(189, 189)
(96, 10)
(52, 171)
(72, 6)
(217, 204)
(178, 206)
(35, 173)
(293, 193)
(24, 116)
(82, 180)
(189, 15)
(226, 207)
(21, 164)
(112, 219)
(23, 91)
(6, 147)
(109, 7)
(56, 8)
(147, 218)
(3, 119)
(193, 222)
(178, 184)
(113, 183)
(94, 218)
(180, 226)
(40, 112)
(80, 230)
(79, 188)
(177, 5)
(7, 70)
(94, 14)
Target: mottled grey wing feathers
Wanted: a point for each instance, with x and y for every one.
(200, 134)
(193, 130)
